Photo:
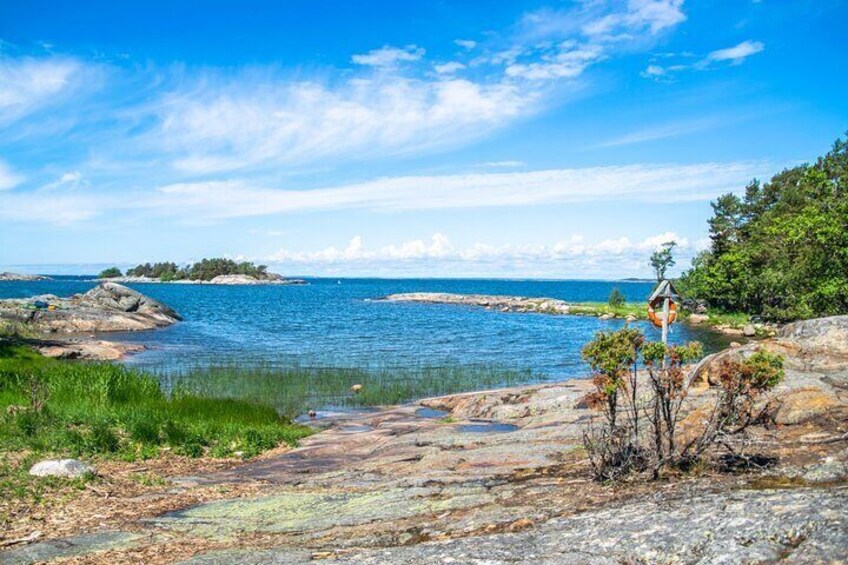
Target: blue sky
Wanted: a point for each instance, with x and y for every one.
(478, 138)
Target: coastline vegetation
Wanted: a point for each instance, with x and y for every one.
(204, 270)
(105, 410)
(780, 252)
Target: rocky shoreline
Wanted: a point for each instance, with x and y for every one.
(495, 477)
(67, 327)
(557, 307)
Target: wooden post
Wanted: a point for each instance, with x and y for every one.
(666, 291)
(666, 307)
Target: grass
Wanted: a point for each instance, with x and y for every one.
(636, 309)
(100, 409)
(736, 320)
(293, 389)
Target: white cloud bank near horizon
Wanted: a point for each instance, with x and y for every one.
(571, 257)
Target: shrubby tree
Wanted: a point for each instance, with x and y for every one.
(110, 273)
(616, 298)
(662, 259)
(640, 415)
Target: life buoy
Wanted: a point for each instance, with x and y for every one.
(655, 310)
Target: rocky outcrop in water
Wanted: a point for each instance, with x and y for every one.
(491, 302)
(109, 307)
(22, 277)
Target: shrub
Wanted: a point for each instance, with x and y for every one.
(616, 298)
(620, 446)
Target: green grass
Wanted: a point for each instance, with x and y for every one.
(294, 389)
(106, 410)
(637, 309)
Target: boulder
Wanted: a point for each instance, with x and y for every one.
(749, 330)
(799, 406)
(698, 318)
(114, 296)
(71, 468)
(695, 306)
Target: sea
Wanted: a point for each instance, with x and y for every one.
(342, 323)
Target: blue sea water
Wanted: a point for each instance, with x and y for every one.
(334, 322)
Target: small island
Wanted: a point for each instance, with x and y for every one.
(22, 277)
(207, 271)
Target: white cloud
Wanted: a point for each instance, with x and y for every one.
(71, 179)
(503, 164)
(646, 183)
(8, 178)
(639, 15)
(663, 131)
(218, 200)
(388, 56)
(28, 84)
(568, 62)
(562, 44)
(737, 53)
(448, 68)
(466, 43)
(236, 126)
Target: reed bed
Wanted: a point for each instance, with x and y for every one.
(294, 389)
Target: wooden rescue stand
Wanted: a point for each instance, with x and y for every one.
(662, 307)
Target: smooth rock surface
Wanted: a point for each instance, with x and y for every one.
(797, 526)
(107, 307)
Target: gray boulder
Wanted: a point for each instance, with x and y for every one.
(114, 296)
(71, 468)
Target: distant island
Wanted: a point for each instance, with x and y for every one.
(22, 277)
(206, 271)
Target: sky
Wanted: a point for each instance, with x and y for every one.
(521, 139)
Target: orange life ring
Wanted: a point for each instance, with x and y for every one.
(656, 317)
